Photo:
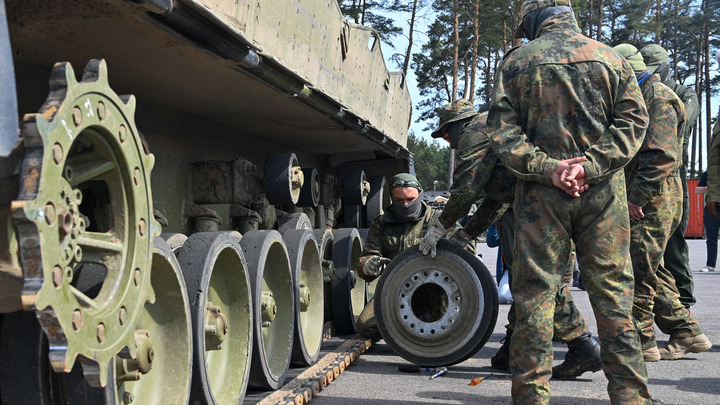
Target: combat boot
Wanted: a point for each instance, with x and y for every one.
(677, 348)
(501, 359)
(583, 355)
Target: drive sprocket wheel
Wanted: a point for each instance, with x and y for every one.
(85, 221)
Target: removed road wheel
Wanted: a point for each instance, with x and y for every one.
(436, 312)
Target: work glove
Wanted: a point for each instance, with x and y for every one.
(374, 265)
(457, 238)
(713, 207)
(429, 242)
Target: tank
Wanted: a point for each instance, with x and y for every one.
(184, 188)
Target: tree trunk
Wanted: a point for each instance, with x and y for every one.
(476, 41)
(408, 52)
(456, 50)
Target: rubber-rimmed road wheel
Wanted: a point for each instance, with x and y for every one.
(308, 283)
(325, 240)
(378, 199)
(218, 286)
(273, 299)
(348, 291)
(436, 312)
(168, 327)
(284, 178)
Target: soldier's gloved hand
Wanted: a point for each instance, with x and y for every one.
(429, 242)
(458, 237)
(374, 265)
(713, 208)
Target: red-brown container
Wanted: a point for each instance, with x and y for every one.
(695, 221)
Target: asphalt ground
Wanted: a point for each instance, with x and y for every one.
(374, 378)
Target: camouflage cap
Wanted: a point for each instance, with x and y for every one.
(531, 6)
(632, 55)
(654, 56)
(405, 180)
(455, 111)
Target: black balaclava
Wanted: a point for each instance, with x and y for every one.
(409, 212)
(533, 20)
(454, 130)
(664, 72)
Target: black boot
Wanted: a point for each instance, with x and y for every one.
(583, 355)
(501, 359)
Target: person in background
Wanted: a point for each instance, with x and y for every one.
(676, 257)
(712, 200)
(654, 199)
(712, 226)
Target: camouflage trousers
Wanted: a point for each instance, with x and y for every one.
(568, 322)
(655, 292)
(366, 324)
(547, 222)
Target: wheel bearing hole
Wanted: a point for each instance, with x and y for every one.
(429, 302)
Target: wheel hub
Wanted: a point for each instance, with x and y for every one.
(429, 303)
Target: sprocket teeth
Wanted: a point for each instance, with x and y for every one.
(96, 71)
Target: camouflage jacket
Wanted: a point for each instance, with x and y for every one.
(692, 111)
(478, 172)
(388, 236)
(661, 152)
(713, 192)
(564, 95)
(473, 146)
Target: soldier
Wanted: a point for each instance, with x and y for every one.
(676, 257)
(402, 225)
(654, 201)
(713, 191)
(478, 170)
(560, 96)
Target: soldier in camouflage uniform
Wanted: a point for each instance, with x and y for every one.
(562, 96)
(654, 202)
(402, 225)
(713, 191)
(479, 170)
(676, 258)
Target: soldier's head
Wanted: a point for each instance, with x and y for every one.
(405, 191)
(451, 118)
(534, 12)
(632, 55)
(657, 61)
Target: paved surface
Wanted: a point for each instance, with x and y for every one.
(695, 379)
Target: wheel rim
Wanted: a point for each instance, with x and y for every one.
(348, 291)
(215, 271)
(273, 307)
(167, 323)
(437, 311)
(309, 303)
(85, 161)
